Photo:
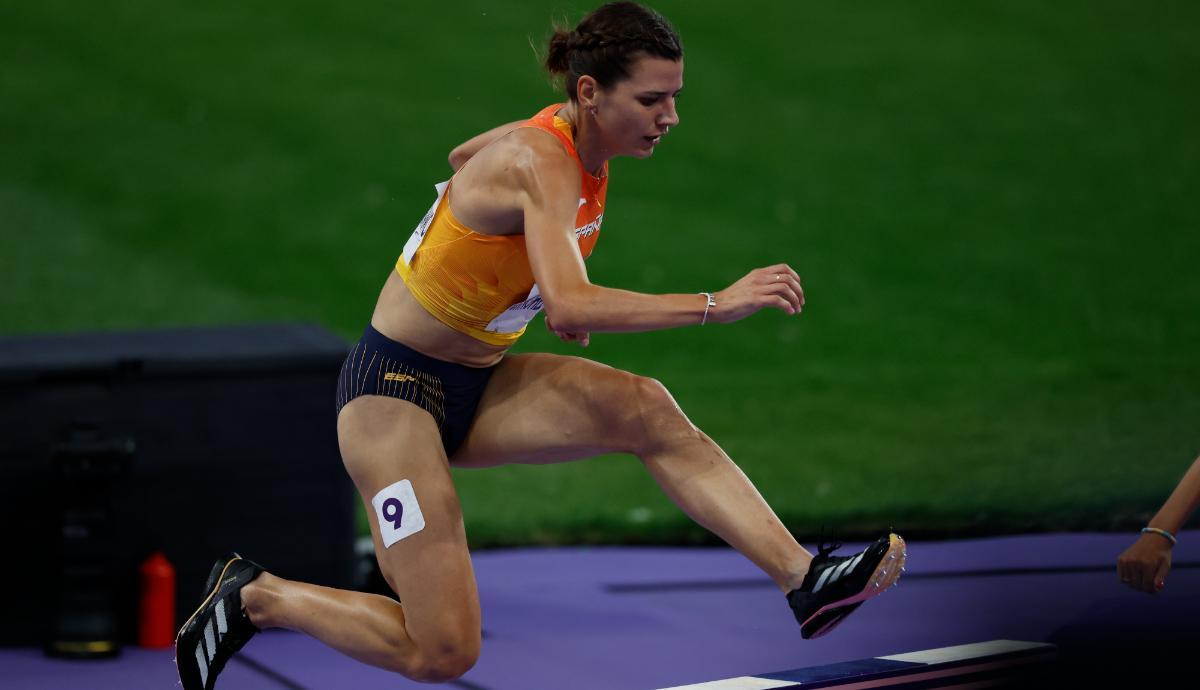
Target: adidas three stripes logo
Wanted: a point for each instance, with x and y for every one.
(206, 649)
(832, 575)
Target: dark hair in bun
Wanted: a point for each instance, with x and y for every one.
(606, 42)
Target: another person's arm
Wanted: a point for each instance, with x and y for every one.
(1144, 565)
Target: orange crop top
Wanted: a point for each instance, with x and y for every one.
(482, 285)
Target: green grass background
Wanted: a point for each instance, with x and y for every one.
(993, 206)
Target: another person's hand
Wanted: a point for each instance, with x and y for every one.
(1144, 565)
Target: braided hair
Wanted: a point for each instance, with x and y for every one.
(605, 43)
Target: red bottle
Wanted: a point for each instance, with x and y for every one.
(156, 606)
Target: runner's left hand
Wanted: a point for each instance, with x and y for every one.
(567, 336)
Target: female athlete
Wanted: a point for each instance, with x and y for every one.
(430, 386)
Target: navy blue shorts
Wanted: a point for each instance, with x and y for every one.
(449, 392)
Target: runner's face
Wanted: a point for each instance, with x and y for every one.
(638, 111)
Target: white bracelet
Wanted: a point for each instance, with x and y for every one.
(712, 302)
(1160, 532)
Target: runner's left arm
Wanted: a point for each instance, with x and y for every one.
(463, 152)
(548, 183)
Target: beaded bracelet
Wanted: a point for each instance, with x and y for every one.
(1161, 532)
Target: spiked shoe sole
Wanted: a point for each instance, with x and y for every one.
(885, 575)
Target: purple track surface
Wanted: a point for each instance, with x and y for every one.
(641, 618)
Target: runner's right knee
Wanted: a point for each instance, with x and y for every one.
(647, 416)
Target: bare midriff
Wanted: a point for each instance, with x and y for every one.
(399, 316)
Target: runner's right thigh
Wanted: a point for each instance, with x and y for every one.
(383, 441)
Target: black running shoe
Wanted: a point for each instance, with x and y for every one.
(837, 585)
(215, 573)
(219, 627)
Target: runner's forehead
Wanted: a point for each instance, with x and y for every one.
(656, 75)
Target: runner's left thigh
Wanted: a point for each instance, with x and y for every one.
(544, 408)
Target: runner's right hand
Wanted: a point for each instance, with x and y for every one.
(775, 286)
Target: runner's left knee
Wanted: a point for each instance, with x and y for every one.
(447, 657)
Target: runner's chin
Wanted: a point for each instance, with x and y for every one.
(646, 146)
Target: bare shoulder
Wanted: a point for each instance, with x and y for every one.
(537, 151)
(525, 169)
(542, 166)
(526, 159)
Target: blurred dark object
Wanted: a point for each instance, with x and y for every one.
(87, 469)
(236, 449)
(1124, 641)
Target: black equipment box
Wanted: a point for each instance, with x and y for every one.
(209, 440)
